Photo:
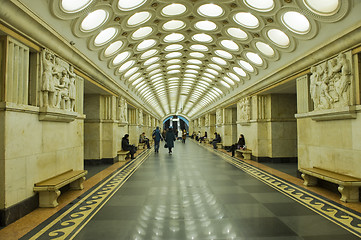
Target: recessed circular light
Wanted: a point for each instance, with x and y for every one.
(265, 49)
(152, 67)
(246, 65)
(193, 67)
(215, 66)
(145, 44)
(278, 37)
(202, 37)
(228, 80)
(72, 6)
(121, 57)
(173, 71)
(223, 54)
(114, 47)
(173, 25)
(173, 55)
(198, 47)
(173, 47)
(229, 44)
(149, 54)
(142, 33)
(126, 66)
(210, 10)
(138, 18)
(209, 75)
(225, 84)
(171, 67)
(206, 25)
(94, 20)
(219, 60)
(194, 61)
(126, 5)
(173, 61)
(131, 71)
(237, 33)
(233, 76)
(262, 6)
(246, 19)
(255, 58)
(296, 22)
(323, 7)
(173, 9)
(212, 71)
(173, 37)
(240, 71)
(135, 76)
(105, 36)
(151, 61)
(196, 55)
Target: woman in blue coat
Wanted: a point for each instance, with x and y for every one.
(170, 138)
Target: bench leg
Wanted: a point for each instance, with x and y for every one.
(247, 156)
(48, 198)
(349, 194)
(78, 184)
(121, 158)
(238, 154)
(309, 180)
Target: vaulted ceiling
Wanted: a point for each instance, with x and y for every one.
(186, 56)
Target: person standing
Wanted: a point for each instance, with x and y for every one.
(157, 138)
(170, 138)
(184, 136)
(127, 147)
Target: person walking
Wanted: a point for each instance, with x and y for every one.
(157, 137)
(170, 138)
(184, 136)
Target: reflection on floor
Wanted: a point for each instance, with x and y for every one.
(198, 193)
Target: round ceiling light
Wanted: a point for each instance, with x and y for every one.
(246, 65)
(240, 71)
(198, 47)
(255, 58)
(215, 66)
(138, 18)
(173, 25)
(126, 5)
(173, 9)
(229, 44)
(173, 47)
(296, 22)
(246, 19)
(114, 47)
(151, 61)
(196, 54)
(72, 6)
(145, 44)
(233, 76)
(194, 61)
(228, 80)
(152, 67)
(265, 49)
(323, 7)
(173, 37)
(202, 37)
(94, 20)
(142, 33)
(219, 60)
(210, 10)
(130, 72)
(126, 66)
(225, 84)
(278, 37)
(121, 57)
(105, 36)
(173, 61)
(149, 53)
(223, 54)
(262, 6)
(173, 55)
(237, 33)
(206, 25)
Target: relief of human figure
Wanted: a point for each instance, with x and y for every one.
(344, 82)
(72, 88)
(63, 91)
(122, 109)
(48, 85)
(314, 79)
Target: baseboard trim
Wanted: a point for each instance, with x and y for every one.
(275, 160)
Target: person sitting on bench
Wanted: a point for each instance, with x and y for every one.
(202, 138)
(240, 144)
(217, 139)
(127, 147)
(144, 139)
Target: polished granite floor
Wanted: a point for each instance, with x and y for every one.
(194, 194)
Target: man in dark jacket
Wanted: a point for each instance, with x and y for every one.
(157, 137)
(127, 147)
(170, 138)
(217, 139)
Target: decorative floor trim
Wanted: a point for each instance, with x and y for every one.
(68, 222)
(341, 215)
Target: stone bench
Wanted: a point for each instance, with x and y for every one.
(141, 145)
(348, 186)
(219, 145)
(122, 155)
(49, 188)
(247, 153)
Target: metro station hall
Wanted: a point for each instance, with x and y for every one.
(180, 120)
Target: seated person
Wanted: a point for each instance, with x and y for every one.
(217, 139)
(204, 137)
(198, 136)
(144, 139)
(127, 147)
(240, 144)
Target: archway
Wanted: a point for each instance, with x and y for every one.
(177, 122)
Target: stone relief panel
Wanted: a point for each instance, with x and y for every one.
(244, 110)
(206, 120)
(219, 116)
(123, 110)
(200, 122)
(58, 82)
(140, 117)
(330, 83)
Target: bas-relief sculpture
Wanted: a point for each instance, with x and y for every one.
(330, 83)
(219, 116)
(58, 83)
(140, 117)
(206, 120)
(244, 108)
(123, 110)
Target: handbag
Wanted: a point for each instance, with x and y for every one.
(166, 145)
